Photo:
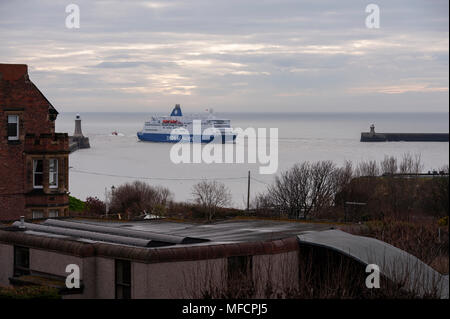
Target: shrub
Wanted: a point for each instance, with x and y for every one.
(29, 292)
(76, 204)
(134, 199)
(95, 206)
(423, 239)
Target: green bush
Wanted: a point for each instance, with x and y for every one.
(29, 292)
(75, 204)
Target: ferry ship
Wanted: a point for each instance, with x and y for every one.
(177, 127)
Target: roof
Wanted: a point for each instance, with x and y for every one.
(175, 241)
(394, 263)
(160, 233)
(16, 74)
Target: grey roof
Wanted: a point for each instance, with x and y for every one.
(120, 231)
(44, 229)
(223, 231)
(159, 233)
(394, 263)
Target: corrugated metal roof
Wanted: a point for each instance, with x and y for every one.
(144, 254)
(83, 234)
(149, 235)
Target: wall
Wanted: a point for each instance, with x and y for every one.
(187, 279)
(6, 263)
(105, 278)
(19, 96)
(279, 272)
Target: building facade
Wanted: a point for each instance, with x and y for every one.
(229, 259)
(33, 158)
(117, 271)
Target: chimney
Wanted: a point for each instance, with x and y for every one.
(22, 222)
(13, 72)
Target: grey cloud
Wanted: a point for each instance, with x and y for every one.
(300, 55)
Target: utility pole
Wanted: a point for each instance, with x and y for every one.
(106, 202)
(248, 193)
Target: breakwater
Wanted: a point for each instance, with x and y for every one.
(404, 137)
(372, 136)
(78, 142)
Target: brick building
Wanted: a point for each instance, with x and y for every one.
(33, 158)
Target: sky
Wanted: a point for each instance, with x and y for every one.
(232, 55)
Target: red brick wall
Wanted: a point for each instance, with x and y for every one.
(37, 138)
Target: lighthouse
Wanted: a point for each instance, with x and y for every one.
(78, 131)
(372, 130)
(78, 141)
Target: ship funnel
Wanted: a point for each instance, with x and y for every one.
(176, 111)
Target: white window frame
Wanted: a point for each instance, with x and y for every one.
(34, 174)
(40, 212)
(13, 138)
(56, 162)
(53, 213)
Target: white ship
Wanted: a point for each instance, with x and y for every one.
(177, 126)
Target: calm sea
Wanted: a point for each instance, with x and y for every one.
(113, 160)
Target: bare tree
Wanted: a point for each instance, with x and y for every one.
(367, 169)
(211, 195)
(164, 195)
(262, 204)
(323, 184)
(290, 190)
(343, 176)
(304, 189)
(411, 164)
(418, 165)
(389, 165)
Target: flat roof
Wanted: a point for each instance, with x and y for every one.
(163, 233)
(157, 241)
(230, 231)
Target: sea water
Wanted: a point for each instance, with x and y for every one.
(113, 160)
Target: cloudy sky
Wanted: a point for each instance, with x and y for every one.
(233, 55)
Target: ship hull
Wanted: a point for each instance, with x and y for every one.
(168, 138)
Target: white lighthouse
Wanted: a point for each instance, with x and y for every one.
(78, 131)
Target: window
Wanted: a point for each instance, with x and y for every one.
(36, 214)
(123, 279)
(53, 173)
(38, 171)
(53, 213)
(13, 127)
(21, 261)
